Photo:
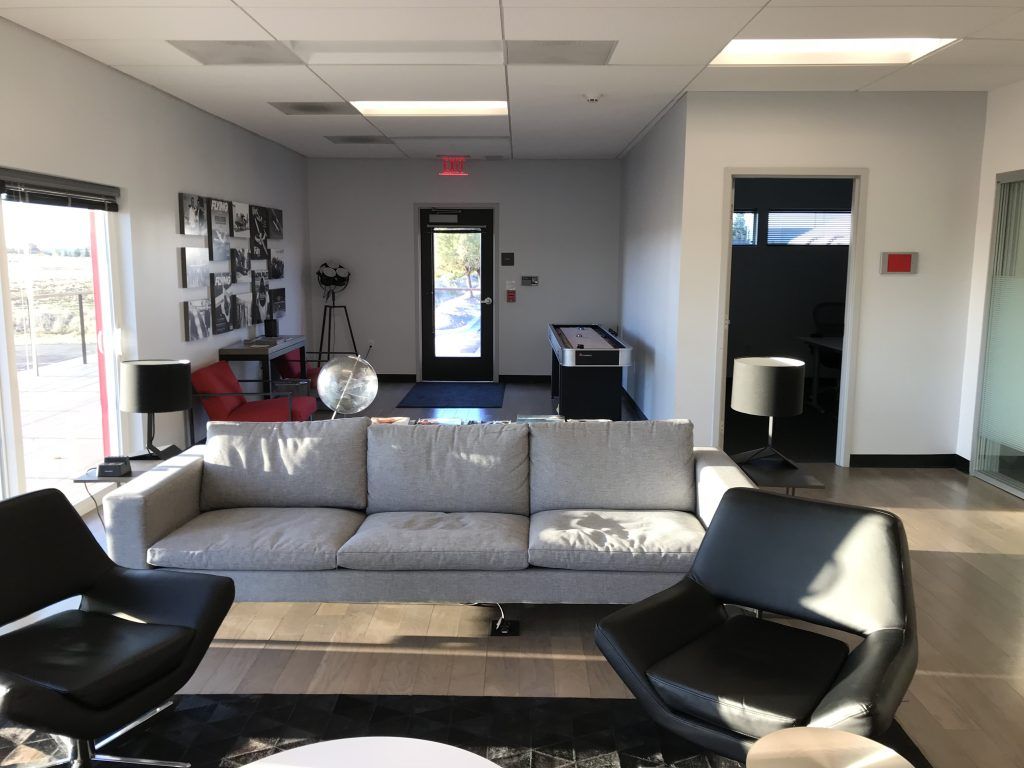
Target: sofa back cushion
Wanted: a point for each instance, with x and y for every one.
(612, 465)
(471, 468)
(285, 464)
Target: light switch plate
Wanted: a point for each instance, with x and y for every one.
(530, 280)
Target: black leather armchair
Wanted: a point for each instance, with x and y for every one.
(136, 638)
(722, 678)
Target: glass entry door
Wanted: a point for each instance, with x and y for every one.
(457, 304)
(999, 442)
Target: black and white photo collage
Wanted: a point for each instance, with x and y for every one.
(233, 252)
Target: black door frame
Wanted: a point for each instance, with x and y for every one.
(456, 368)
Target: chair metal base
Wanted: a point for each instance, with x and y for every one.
(82, 752)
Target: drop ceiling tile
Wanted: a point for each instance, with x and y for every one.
(155, 23)
(949, 78)
(788, 78)
(1011, 28)
(646, 36)
(364, 3)
(118, 53)
(318, 146)
(633, 4)
(398, 52)
(440, 127)
(886, 3)
(236, 84)
(859, 21)
(380, 23)
(415, 82)
(551, 118)
(476, 148)
(977, 52)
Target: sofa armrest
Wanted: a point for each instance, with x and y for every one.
(715, 474)
(143, 511)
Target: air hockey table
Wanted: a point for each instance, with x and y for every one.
(586, 371)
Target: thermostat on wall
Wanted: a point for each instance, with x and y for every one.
(899, 262)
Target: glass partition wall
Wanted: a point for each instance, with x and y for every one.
(999, 441)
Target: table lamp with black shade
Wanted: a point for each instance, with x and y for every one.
(156, 386)
(767, 386)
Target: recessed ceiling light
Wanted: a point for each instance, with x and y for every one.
(233, 52)
(431, 108)
(827, 52)
(314, 107)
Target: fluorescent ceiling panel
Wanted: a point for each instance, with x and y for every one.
(398, 82)
(377, 52)
(314, 107)
(431, 108)
(228, 52)
(827, 52)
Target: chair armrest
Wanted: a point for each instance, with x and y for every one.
(871, 684)
(143, 511)
(715, 474)
(198, 601)
(644, 633)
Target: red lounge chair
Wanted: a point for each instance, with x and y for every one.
(223, 400)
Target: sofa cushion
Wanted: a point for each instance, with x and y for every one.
(612, 465)
(438, 541)
(258, 539)
(750, 676)
(472, 468)
(615, 539)
(285, 464)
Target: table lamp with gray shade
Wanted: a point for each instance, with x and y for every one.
(156, 386)
(767, 386)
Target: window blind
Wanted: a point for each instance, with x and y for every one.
(27, 187)
(809, 227)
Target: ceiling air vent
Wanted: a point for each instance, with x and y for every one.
(358, 139)
(566, 52)
(315, 107)
(227, 52)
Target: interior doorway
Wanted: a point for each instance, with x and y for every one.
(457, 302)
(787, 298)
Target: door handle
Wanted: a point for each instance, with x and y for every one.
(487, 301)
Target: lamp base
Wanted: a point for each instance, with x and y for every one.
(157, 454)
(767, 452)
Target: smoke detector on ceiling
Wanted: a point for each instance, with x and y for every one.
(592, 98)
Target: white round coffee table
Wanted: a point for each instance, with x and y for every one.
(376, 751)
(821, 748)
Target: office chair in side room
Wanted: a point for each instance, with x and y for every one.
(220, 393)
(723, 678)
(135, 639)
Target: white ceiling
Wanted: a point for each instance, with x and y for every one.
(452, 50)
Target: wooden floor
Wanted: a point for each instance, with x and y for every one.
(965, 708)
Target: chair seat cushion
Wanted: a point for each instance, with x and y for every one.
(615, 539)
(438, 541)
(270, 409)
(258, 539)
(93, 658)
(750, 676)
(303, 407)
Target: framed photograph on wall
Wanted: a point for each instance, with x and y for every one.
(275, 223)
(240, 265)
(277, 303)
(220, 230)
(258, 232)
(221, 302)
(195, 263)
(191, 214)
(260, 296)
(198, 319)
(277, 264)
(243, 309)
(239, 219)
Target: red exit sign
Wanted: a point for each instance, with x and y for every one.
(453, 166)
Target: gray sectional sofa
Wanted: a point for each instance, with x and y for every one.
(574, 512)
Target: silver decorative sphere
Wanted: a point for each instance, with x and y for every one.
(347, 384)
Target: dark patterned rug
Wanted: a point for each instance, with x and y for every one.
(232, 730)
